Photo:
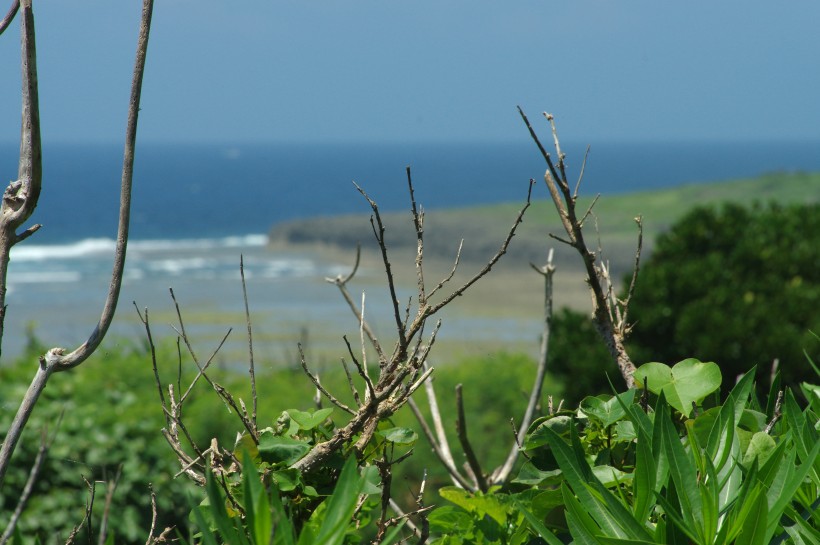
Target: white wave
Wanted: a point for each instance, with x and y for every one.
(50, 277)
(148, 245)
(73, 250)
(101, 246)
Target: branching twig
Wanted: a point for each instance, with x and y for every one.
(609, 315)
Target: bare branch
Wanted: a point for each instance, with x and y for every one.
(341, 283)
(461, 430)
(9, 17)
(34, 474)
(604, 309)
(581, 176)
(487, 267)
(110, 488)
(394, 300)
(80, 354)
(315, 380)
(501, 474)
(452, 271)
(418, 223)
(446, 461)
(251, 370)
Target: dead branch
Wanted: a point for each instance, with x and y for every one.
(20, 199)
(10, 14)
(251, 368)
(501, 474)
(110, 488)
(461, 430)
(609, 314)
(34, 474)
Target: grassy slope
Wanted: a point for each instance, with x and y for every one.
(483, 227)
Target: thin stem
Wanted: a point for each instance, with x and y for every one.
(251, 370)
(461, 430)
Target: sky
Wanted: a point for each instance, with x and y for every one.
(449, 70)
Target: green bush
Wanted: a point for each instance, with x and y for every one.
(739, 286)
(102, 417)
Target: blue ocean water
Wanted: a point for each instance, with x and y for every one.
(206, 191)
(197, 208)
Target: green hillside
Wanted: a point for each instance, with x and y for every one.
(483, 227)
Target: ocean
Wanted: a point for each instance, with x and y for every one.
(197, 208)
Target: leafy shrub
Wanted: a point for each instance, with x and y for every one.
(102, 419)
(739, 286)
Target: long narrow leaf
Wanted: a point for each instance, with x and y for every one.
(537, 525)
(684, 475)
(341, 505)
(753, 529)
(790, 489)
(577, 473)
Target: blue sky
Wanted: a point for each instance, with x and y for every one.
(376, 70)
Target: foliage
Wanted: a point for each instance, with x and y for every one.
(621, 471)
(262, 514)
(101, 420)
(739, 286)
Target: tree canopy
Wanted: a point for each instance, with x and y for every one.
(738, 286)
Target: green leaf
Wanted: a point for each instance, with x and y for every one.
(281, 450)
(537, 525)
(286, 479)
(340, 506)
(606, 408)
(753, 529)
(480, 504)
(309, 420)
(449, 519)
(532, 476)
(688, 381)
(761, 447)
(683, 474)
(558, 424)
(607, 511)
(399, 436)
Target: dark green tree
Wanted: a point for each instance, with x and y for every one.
(578, 357)
(737, 286)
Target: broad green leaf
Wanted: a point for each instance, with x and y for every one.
(532, 476)
(257, 507)
(559, 424)
(286, 479)
(761, 447)
(480, 504)
(581, 526)
(309, 420)
(687, 382)
(449, 519)
(611, 476)
(643, 478)
(399, 436)
(606, 408)
(224, 522)
(285, 450)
